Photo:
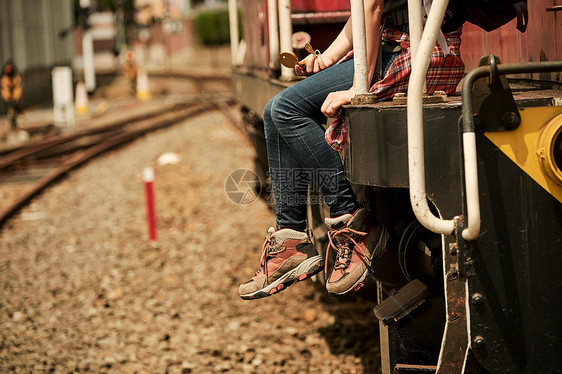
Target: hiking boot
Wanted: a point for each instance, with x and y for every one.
(356, 243)
(288, 256)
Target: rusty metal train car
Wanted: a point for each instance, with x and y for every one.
(469, 185)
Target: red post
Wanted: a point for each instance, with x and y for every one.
(148, 177)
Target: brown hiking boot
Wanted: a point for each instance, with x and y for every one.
(288, 256)
(356, 244)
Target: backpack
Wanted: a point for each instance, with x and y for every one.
(492, 14)
(486, 14)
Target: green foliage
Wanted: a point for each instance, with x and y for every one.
(212, 27)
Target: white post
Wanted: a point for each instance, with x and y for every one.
(88, 54)
(285, 33)
(63, 101)
(88, 60)
(81, 101)
(148, 178)
(143, 91)
(273, 34)
(359, 46)
(234, 37)
(416, 158)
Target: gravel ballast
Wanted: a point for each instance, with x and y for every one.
(82, 289)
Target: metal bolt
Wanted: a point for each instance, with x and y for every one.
(478, 342)
(477, 299)
(510, 120)
(541, 153)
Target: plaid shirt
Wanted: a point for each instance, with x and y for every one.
(444, 74)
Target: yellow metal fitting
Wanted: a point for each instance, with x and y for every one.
(547, 140)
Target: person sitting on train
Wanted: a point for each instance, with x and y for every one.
(301, 152)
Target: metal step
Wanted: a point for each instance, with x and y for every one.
(397, 306)
(404, 369)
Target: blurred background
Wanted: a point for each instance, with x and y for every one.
(40, 35)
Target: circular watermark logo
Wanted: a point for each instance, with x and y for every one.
(242, 186)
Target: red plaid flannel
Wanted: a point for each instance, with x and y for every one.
(444, 74)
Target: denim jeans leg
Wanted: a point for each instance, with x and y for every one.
(290, 202)
(295, 141)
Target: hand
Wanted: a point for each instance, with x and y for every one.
(335, 100)
(314, 64)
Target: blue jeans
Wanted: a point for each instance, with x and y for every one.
(298, 152)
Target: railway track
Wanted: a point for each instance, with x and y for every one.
(48, 160)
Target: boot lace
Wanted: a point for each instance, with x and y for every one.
(343, 246)
(267, 247)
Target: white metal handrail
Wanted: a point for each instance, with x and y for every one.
(471, 182)
(415, 24)
(285, 33)
(273, 27)
(359, 47)
(421, 45)
(234, 37)
(416, 158)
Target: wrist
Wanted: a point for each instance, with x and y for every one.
(328, 59)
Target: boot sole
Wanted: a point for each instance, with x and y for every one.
(357, 285)
(304, 271)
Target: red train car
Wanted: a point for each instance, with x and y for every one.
(321, 20)
(464, 300)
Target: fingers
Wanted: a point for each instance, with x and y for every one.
(312, 64)
(320, 64)
(331, 105)
(334, 102)
(305, 66)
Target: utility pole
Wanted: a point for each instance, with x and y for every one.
(120, 26)
(88, 49)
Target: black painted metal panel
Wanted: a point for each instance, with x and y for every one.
(513, 269)
(516, 324)
(377, 151)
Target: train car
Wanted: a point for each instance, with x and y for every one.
(470, 187)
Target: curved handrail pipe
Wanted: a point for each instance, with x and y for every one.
(416, 159)
(415, 22)
(469, 137)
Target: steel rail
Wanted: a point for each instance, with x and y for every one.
(195, 75)
(163, 121)
(10, 157)
(13, 155)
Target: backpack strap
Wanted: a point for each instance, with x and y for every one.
(399, 18)
(396, 18)
(440, 37)
(522, 15)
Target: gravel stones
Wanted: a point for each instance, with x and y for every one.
(84, 291)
